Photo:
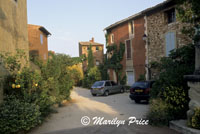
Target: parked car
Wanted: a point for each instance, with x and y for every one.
(140, 90)
(105, 88)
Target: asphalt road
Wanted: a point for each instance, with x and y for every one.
(114, 110)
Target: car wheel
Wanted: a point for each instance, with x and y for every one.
(122, 90)
(106, 93)
(137, 101)
(94, 94)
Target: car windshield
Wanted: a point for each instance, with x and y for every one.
(140, 85)
(98, 83)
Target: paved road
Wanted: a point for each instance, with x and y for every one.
(117, 107)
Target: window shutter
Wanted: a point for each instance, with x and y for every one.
(170, 42)
(128, 49)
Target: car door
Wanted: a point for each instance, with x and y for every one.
(114, 87)
(108, 86)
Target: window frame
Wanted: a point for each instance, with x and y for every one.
(171, 15)
(112, 38)
(41, 39)
(131, 25)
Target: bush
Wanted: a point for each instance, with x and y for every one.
(171, 69)
(17, 115)
(195, 121)
(170, 85)
(158, 114)
(30, 94)
(92, 76)
(178, 101)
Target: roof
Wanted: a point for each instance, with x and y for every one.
(147, 11)
(41, 28)
(90, 43)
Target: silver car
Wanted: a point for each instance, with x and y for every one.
(105, 88)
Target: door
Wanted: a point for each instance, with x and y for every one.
(114, 87)
(108, 86)
(170, 42)
(130, 78)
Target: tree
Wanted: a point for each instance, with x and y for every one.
(90, 58)
(188, 12)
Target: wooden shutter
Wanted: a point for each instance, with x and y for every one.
(170, 42)
(128, 49)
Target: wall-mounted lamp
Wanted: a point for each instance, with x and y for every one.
(144, 38)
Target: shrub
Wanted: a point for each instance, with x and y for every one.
(172, 69)
(158, 114)
(17, 115)
(92, 76)
(195, 121)
(178, 101)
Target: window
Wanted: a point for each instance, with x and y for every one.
(131, 28)
(171, 15)
(88, 48)
(112, 38)
(113, 83)
(41, 39)
(107, 84)
(97, 48)
(97, 63)
(128, 49)
(45, 56)
(170, 41)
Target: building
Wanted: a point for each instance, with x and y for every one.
(129, 31)
(152, 33)
(13, 30)
(97, 49)
(38, 41)
(163, 32)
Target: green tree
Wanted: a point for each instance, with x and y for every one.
(90, 58)
(188, 12)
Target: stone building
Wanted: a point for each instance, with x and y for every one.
(38, 41)
(97, 49)
(13, 29)
(163, 32)
(129, 31)
(152, 33)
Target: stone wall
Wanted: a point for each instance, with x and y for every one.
(157, 27)
(13, 30)
(194, 95)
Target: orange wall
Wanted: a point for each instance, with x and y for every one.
(120, 35)
(138, 45)
(34, 41)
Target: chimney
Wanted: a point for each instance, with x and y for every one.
(92, 40)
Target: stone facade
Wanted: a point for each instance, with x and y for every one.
(13, 30)
(194, 95)
(38, 41)
(157, 28)
(97, 49)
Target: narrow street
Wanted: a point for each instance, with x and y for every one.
(68, 118)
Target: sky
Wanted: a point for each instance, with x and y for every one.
(72, 21)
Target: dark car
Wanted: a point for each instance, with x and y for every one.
(106, 87)
(140, 90)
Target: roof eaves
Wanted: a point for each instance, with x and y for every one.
(44, 30)
(142, 13)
